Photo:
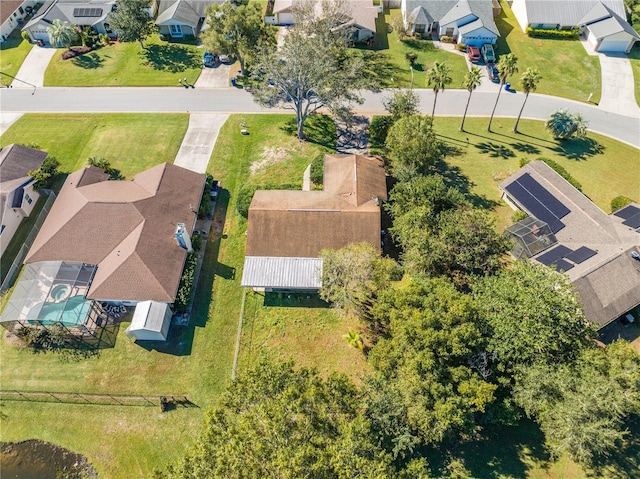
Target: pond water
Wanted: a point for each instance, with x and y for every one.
(41, 460)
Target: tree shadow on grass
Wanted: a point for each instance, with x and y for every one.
(501, 451)
(293, 300)
(89, 61)
(495, 150)
(527, 148)
(320, 130)
(454, 178)
(579, 148)
(170, 58)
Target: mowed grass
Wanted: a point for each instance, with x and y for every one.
(13, 51)
(634, 58)
(160, 63)
(131, 142)
(600, 164)
(399, 74)
(566, 68)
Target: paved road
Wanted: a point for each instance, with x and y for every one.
(230, 100)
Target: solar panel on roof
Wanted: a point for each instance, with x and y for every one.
(554, 255)
(627, 212)
(87, 12)
(634, 221)
(581, 254)
(562, 265)
(543, 196)
(533, 206)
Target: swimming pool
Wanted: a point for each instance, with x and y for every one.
(69, 313)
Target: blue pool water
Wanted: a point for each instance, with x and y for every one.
(71, 313)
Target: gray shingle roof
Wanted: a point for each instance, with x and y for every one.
(566, 12)
(609, 280)
(603, 22)
(64, 10)
(187, 12)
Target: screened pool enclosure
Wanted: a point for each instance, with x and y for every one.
(531, 236)
(53, 293)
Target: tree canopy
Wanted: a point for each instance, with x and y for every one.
(582, 407)
(352, 275)
(533, 314)
(278, 421)
(312, 70)
(402, 103)
(131, 21)
(412, 147)
(62, 33)
(433, 331)
(565, 126)
(238, 30)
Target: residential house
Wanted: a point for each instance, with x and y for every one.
(179, 18)
(17, 195)
(286, 230)
(107, 242)
(83, 13)
(595, 250)
(12, 15)
(602, 22)
(467, 21)
(362, 25)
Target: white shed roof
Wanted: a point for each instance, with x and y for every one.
(282, 272)
(149, 316)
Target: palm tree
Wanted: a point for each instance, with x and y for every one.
(62, 33)
(438, 77)
(354, 340)
(506, 67)
(471, 81)
(529, 81)
(564, 125)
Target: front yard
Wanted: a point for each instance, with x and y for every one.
(160, 63)
(13, 51)
(566, 68)
(634, 58)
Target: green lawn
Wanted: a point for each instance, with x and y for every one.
(488, 158)
(12, 53)
(160, 63)
(132, 142)
(399, 73)
(566, 69)
(634, 58)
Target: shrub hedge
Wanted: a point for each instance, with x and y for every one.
(620, 202)
(186, 283)
(552, 33)
(317, 169)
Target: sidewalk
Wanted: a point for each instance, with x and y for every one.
(31, 73)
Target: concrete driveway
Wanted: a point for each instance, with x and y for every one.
(216, 77)
(31, 72)
(199, 140)
(618, 94)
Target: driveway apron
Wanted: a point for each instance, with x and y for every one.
(31, 72)
(216, 77)
(7, 119)
(199, 140)
(618, 95)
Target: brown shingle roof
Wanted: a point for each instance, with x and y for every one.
(7, 7)
(124, 227)
(301, 223)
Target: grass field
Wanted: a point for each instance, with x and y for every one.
(398, 74)
(566, 68)
(12, 53)
(131, 142)
(160, 63)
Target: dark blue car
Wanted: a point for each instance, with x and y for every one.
(492, 73)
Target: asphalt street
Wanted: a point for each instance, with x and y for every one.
(232, 100)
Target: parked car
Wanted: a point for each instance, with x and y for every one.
(488, 54)
(473, 53)
(228, 59)
(208, 59)
(492, 73)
